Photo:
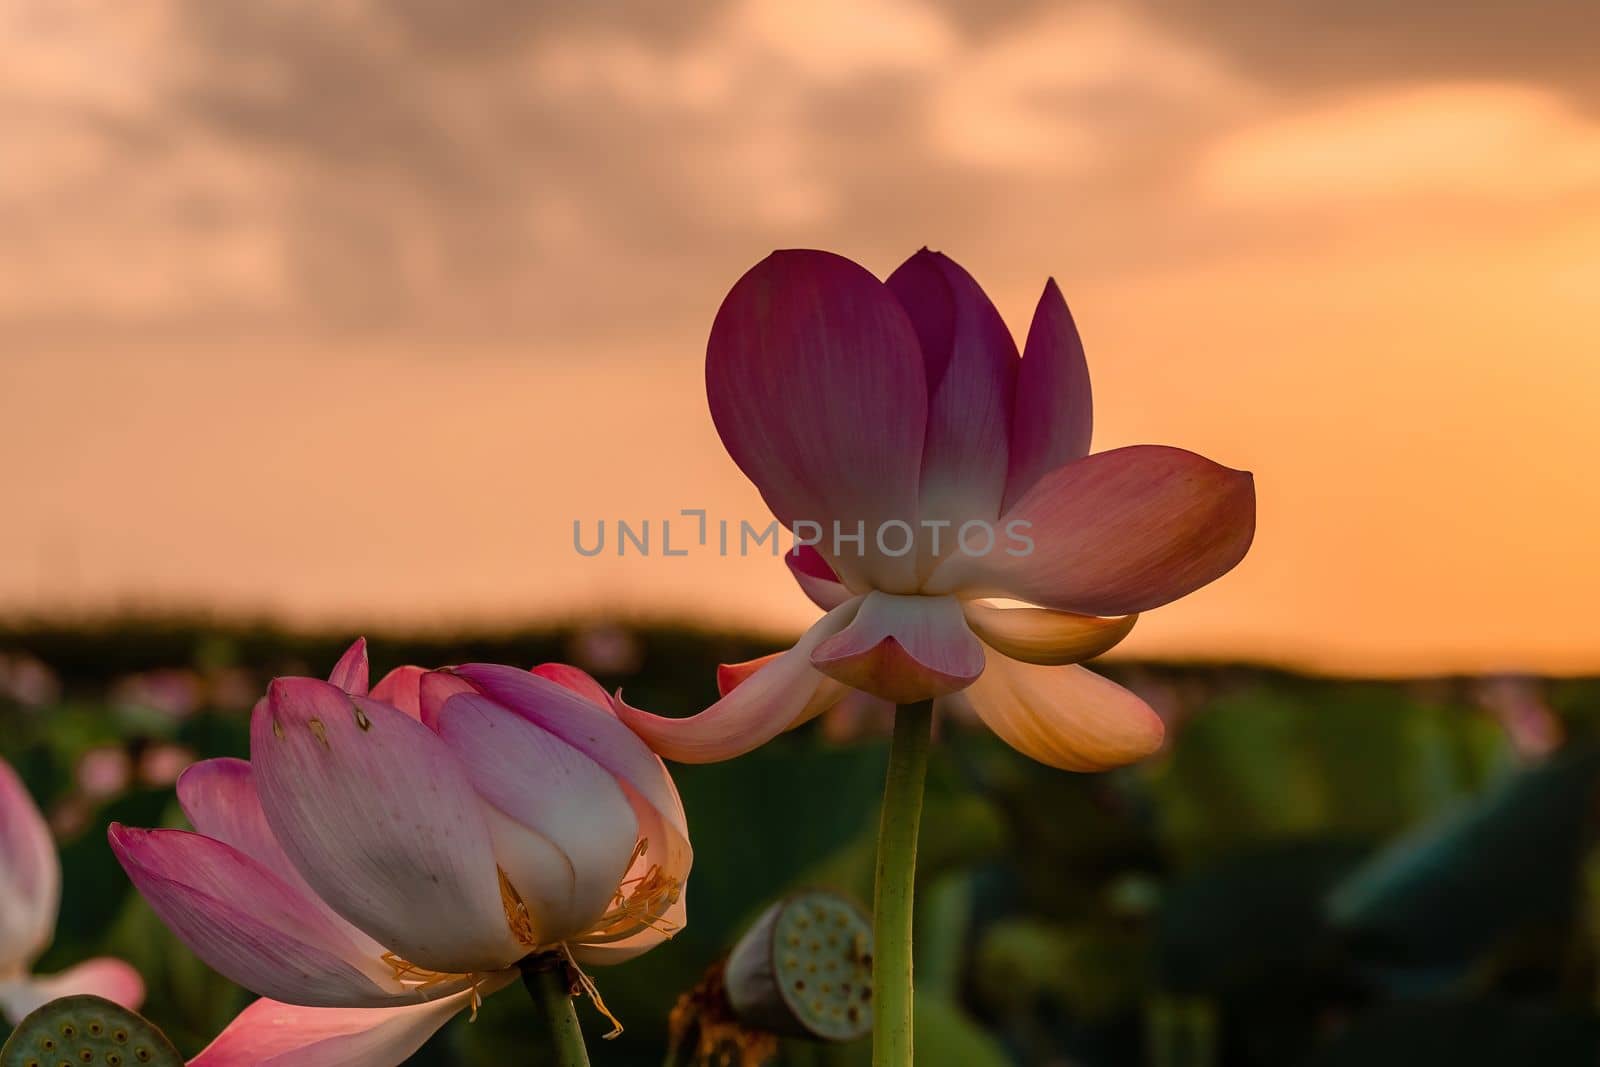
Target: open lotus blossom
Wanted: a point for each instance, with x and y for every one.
(30, 893)
(385, 859)
(965, 545)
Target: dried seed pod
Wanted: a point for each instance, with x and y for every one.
(805, 969)
(84, 1030)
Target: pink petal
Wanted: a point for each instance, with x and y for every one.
(573, 719)
(1053, 419)
(816, 385)
(1114, 533)
(577, 681)
(245, 922)
(271, 1034)
(436, 687)
(1066, 717)
(1039, 635)
(30, 876)
(816, 578)
(383, 822)
(351, 672)
(102, 976)
(763, 705)
(220, 800)
(971, 364)
(568, 832)
(903, 649)
(401, 688)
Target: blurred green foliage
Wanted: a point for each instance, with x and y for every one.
(1315, 871)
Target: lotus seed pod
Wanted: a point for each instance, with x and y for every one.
(86, 1031)
(805, 969)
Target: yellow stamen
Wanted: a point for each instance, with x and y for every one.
(517, 916)
(593, 993)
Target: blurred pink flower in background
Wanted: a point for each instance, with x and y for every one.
(161, 765)
(605, 649)
(175, 692)
(104, 772)
(900, 412)
(30, 893)
(1518, 703)
(382, 862)
(27, 681)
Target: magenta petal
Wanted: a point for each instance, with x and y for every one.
(244, 921)
(573, 719)
(1115, 533)
(30, 876)
(816, 384)
(351, 673)
(581, 826)
(903, 649)
(971, 364)
(816, 578)
(764, 703)
(577, 681)
(380, 818)
(272, 1034)
(102, 976)
(401, 688)
(1053, 419)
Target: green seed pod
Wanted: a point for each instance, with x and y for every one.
(86, 1031)
(805, 969)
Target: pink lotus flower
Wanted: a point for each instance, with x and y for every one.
(384, 861)
(30, 893)
(941, 476)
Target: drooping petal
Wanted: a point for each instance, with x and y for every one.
(382, 821)
(352, 672)
(577, 681)
(574, 720)
(245, 922)
(816, 384)
(401, 688)
(102, 976)
(272, 1034)
(1039, 635)
(1066, 717)
(1053, 419)
(760, 708)
(815, 577)
(30, 876)
(1114, 533)
(220, 800)
(903, 649)
(971, 364)
(550, 791)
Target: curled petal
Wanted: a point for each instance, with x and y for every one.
(578, 681)
(761, 707)
(816, 384)
(351, 673)
(272, 1034)
(1053, 420)
(549, 791)
(971, 364)
(1066, 717)
(574, 720)
(815, 577)
(1115, 533)
(436, 687)
(103, 976)
(245, 922)
(401, 688)
(1039, 635)
(382, 821)
(903, 649)
(30, 876)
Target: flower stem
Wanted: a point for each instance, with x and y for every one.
(545, 977)
(896, 878)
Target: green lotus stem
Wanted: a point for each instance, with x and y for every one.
(896, 880)
(546, 980)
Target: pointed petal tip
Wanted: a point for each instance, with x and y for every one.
(352, 672)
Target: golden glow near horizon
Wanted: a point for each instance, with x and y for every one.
(381, 385)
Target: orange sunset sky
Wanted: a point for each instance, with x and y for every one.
(346, 312)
